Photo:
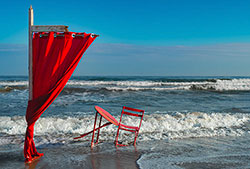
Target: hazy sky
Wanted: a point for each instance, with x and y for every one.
(169, 37)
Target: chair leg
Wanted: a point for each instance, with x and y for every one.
(117, 135)
(136, 135)
(93, 135)
(97, 139)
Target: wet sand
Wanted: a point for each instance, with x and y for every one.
(103, 156)
(189, 153)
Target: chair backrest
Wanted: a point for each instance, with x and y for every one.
(132, 112)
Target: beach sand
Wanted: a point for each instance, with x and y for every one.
(214, 152)
(103, 156)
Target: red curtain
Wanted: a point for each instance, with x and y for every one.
(55, 57)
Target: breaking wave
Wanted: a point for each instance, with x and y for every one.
(13, 83)
(76, 86)
(224, 85)
(154, 126)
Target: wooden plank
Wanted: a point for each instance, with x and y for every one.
(31, 23)
(49, 28)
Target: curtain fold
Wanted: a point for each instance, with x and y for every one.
(55, 57)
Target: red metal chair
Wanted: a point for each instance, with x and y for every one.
(134, 129)
(111, 120)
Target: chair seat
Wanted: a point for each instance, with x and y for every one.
(106, 115)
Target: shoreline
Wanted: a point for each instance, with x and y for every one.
(76, 155)
(208, 152)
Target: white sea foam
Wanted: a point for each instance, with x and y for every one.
(234, 84)
(224, 85)
(13, 83)
(159, 161)
(216, 85)
(145, 88)
(133, 83)
(156, 160)
(116, 83)
(154, 126)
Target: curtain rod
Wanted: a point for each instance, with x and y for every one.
(74, 35)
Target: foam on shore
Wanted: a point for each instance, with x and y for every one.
(154, 126)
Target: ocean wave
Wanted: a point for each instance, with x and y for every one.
(217, 85)
(132, 83)
(144, 89)
(13, 83)
(154, 126)
(79, 86)
(224, 85)
(211, 85)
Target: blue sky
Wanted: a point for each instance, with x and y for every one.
(167, 37)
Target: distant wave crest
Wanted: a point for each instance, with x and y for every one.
(76, 86)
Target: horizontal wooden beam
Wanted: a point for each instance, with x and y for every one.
(49, 28)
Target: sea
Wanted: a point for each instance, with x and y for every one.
(189, 121)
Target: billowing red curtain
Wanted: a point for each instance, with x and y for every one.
(55, 57)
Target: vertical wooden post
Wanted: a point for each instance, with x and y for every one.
(31, 23)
